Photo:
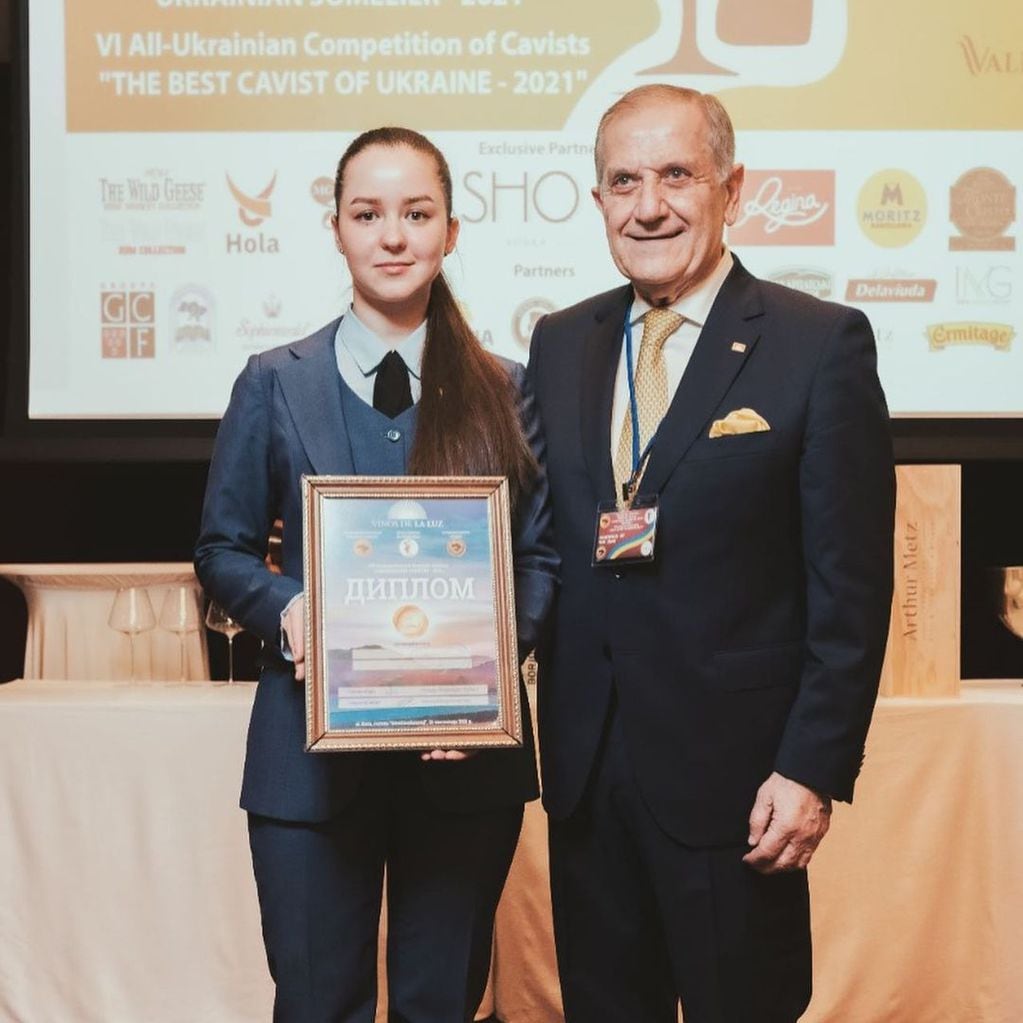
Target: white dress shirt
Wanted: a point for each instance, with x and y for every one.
(359, 351)
(695, 307)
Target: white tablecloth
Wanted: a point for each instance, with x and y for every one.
(68, 608)
(126, 893)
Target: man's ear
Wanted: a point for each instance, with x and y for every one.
(733, 185)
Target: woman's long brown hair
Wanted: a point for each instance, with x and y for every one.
(468, 422)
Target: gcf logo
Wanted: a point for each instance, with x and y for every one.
(127, 322)
(253, 210)
(525, 317)
(787, 208)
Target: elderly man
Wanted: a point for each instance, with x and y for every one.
(722, 485)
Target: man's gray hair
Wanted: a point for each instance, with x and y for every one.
(720, 133)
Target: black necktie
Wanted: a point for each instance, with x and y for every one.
(391, 391)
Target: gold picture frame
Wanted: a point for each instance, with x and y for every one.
(410, 624)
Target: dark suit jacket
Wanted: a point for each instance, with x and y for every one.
(284, 420)
(754, 642)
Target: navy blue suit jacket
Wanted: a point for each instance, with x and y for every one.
(754, 642)
(284, 420)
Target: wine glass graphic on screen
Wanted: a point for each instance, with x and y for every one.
(782, 41)
(220, 621)
(132, 613)
(179, 613)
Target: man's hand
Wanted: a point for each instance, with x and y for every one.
(447, 754)
(786, 825)
(294, 632)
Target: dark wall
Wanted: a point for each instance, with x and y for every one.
(138, 510)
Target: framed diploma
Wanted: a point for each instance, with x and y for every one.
(410, 623)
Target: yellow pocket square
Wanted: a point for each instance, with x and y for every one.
(742, 420)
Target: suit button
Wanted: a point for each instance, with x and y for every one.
(617, 575)
(393, 435)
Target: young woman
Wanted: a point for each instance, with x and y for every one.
(399, 384)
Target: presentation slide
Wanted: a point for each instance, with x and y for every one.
(182, 155)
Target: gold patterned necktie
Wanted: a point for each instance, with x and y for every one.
(651, 382)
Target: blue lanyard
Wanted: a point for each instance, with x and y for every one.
(638, 458)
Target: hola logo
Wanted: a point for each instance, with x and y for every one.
(127, 322)
(787, 208)
(253, 210)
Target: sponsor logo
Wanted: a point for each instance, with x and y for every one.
(268, 328)
(363, 547)
(150, 215)
(154, 191)
(818, 283)
(982, 205)
(989, 286)
(892, 208)
(983, 60)
(997, 335)
(408, 547)
(192, 311)
(552, 197)
(456, 547)
(525, 316)
(253, 212)
(786, 207)
(893, 289)
(322, 192)
(127, 321)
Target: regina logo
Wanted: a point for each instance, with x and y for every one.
(789, 207)
(127, 321)
(997, 335)
(892, 208)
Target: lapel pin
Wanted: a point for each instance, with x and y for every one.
(738, 346)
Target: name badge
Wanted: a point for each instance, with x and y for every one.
(626, 536)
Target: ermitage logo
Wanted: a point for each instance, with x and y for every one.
(127, 321)
(271, 307)
(322, 191)
(525, 316)
(818, 283)
(253, 211)
(892, 208)
(997, 335)
(191, 313)
(982, 206)
(787, 208)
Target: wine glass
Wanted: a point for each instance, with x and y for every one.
(220, 621)
(180, 613)
(132, 613)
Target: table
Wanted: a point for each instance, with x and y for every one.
(917, 891)
(68, 635)
(126, 892)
